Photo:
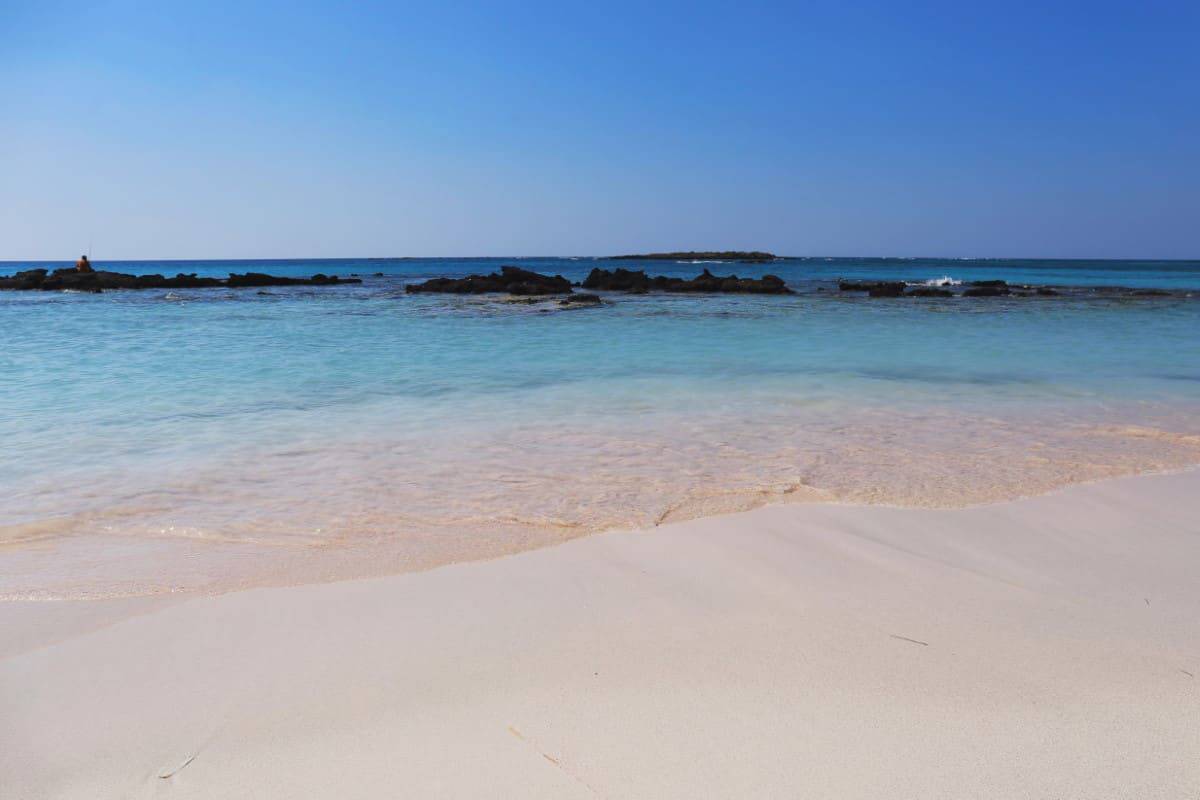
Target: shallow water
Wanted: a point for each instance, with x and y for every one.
(200, 439)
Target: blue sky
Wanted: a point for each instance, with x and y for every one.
(209, 130)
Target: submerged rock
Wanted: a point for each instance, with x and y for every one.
(638, 282)
(580, 301)
(70, 279)
(512, 280)
(929, 291)
(988, 290)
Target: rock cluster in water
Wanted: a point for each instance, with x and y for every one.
(637, 281)
(68, 278)
(874, 288)
(992, 288)
(512, 280)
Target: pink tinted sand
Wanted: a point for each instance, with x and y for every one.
(1045, 648)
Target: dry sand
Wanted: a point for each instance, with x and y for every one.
(1044, 648)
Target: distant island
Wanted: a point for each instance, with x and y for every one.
(701, 255)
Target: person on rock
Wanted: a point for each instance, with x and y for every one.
(83, 265)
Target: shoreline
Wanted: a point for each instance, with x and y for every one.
(17, 616)
(855, 651)
(315, 434)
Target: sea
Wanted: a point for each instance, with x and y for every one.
(197, 441)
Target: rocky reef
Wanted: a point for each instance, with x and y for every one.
(555, 302)
(929, 291)
(68, 278)
(512, 280)
(874, 288)
(637, 281)
(581, 300)
(259, 279)
(902, 289)
(987, 291)
(1000, 288)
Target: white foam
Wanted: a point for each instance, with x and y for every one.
(945, 280)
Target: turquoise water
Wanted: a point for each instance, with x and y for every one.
(307, 420)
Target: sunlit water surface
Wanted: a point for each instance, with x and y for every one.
(201, 440)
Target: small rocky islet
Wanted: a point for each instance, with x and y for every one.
(71, 279)
(995, 288)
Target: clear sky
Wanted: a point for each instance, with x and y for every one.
(243, 129)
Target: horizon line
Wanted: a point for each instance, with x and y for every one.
(593, 257)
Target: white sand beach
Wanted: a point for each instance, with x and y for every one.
(1042, 648)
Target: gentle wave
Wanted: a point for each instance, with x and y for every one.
(453, 494)
(945, 280)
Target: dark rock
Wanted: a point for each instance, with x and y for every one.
(987, 291)
(68, 278)
(24, 281)
(180, 281)
(991, 284)
(581, 300)
(617, 280)
(886, 290)
(259, 279)
(512, 280)
(874, 288)
(1129, 291)
(638, 282)
(1046, 291)
(929, 291)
